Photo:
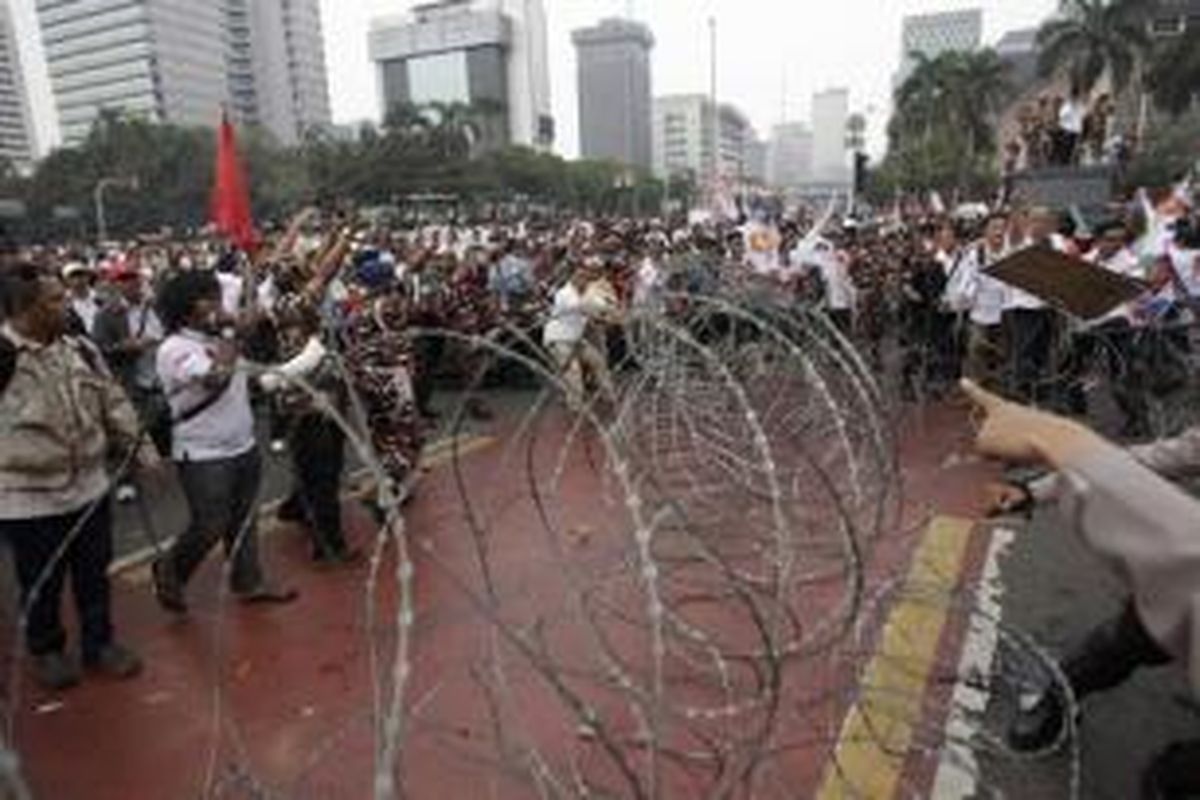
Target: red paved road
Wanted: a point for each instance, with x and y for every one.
(281, 700)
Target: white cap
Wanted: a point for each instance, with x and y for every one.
(72, 268)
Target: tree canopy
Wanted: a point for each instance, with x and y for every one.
(436, 149)
(943, 130)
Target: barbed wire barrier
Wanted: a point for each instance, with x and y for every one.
(678, 598)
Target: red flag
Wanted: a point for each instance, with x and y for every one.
(231, 199)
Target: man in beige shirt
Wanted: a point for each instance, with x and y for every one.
(61, 417)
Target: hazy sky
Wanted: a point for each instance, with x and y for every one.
(808, 45)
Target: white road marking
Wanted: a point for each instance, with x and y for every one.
(958, 771)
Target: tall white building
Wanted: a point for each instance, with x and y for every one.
(182, 61)
(790, 156)
(685, 128)
(16, 124)
(162, 59)
(489, 53)
(934, 34)
(830, 112)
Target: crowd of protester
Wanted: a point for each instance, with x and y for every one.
(1056, 130)
(113, 359)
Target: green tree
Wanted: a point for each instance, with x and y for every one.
(1174, 72)
(942, 133)
(1095, 37)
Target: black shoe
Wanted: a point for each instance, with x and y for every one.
(291, 511)
(115, 661)
(54, 671)
(267, 595)
(479, 411)
(168, 589)
(1038, 728)
(339, 557)
(1174, 774)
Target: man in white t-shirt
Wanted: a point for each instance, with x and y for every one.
(1071, 118)
(213, 445)
(983, 297)
(84, 304)
(1030, 324)
(565, 335)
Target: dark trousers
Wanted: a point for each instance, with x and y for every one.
(948, 347)
(318, 457)
(1031, 341)
(222, 496)
(428, 351)
(36, 547)
(1112, 345)
(1111, 654)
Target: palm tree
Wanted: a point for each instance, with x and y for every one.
(1096, 37)
(955, 93)
(1174, 73)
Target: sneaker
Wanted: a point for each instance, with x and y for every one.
(1038, 726)
(115, 661)
(267, 595)
(167, 589)
(126, 493)
(54, 671)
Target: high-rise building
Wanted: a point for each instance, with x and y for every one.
(162, 59)
(685, 128)
(181, 61)
(830, 113)
(934, 34)
(276, 64)
(1019, 51)
(757, 155)
(790, 156)
(614, 92)
(491, 54)
(16, 125)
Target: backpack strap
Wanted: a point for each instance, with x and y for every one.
(8, 362)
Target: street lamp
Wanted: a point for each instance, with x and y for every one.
(130, 183)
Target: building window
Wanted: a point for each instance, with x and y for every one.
(1167, 26)
(441, 78)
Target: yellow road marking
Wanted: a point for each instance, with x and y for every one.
(445, 451)
(878, 731)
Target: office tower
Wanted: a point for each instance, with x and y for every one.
(16, 128)
(615, 92)
(490, 54)
(830, 112)
(934, 34)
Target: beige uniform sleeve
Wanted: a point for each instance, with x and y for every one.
(1176, 459)
(1149, 530)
